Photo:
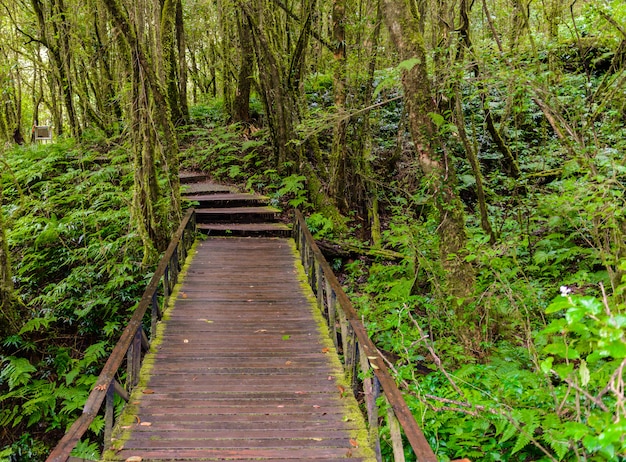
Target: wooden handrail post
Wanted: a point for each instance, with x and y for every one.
(359, 352)
(371, 392)
(155, 315)
(134, 361)
(396, 435)
(109, 415)
(166, 282)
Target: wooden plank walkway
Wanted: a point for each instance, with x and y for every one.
(241, 370)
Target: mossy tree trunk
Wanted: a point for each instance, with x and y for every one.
(156, 210)
(280, 63)
(432, 157)
(241, 109)
(339, 154)
(57, 44)
(171, 34)
(364, 187)
(9, 308)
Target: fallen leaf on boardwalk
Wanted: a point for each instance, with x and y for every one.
(354, 443)
(134, 459)
(349, 453)
(184, 295)
(317, 439)
(138, 419)
(148, 391)
(135, 402)
(250, 300)
(146, 424)
(300, 392)
(330, 378)
(288, 363)
(186, 341)
(260, 330)
(100, 387)
(342, 390)
(281, 405)
(286, 337)
(208, 321)
(316, 406)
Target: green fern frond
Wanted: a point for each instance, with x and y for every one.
(16, 371)
(97, 426)
(528, 420)
(558, 445)
(37, 324)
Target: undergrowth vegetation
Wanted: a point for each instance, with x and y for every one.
(76, 266)
(533, 368)
(535, 371)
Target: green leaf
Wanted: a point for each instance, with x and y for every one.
(583, 371)
(546, 365)
(615, 349)
(591, 304)
(408, 64)
(16, 371)
(437, 119)
(530, 424)
(560, 303)
(562, 350)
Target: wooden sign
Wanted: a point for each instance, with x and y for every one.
(42, 132)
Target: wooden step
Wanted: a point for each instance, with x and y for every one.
(206, 188)
(236, 214)
(245, 229)
(192, 177)
(227, 200)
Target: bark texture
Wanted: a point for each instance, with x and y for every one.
(404, 30)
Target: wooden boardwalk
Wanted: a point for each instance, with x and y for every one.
(241, 369)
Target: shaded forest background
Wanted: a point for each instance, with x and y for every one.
(463, 161)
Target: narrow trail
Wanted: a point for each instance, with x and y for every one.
(242, 368)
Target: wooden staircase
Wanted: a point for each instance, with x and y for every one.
(223, 211)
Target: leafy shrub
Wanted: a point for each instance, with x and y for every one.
(76, 265)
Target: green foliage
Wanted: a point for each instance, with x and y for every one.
(4, 455)
(227, 154)
(16, 371)
(319, 225)
(77, 270)
(25, 449)
(213, 113)
(87, 450)
(294, 187)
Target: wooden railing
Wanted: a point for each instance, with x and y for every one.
(132, 344)
(362, 362)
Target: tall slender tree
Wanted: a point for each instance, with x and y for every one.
(9, 308)
(155, 147)
(431, 152)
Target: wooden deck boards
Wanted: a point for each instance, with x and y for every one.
(241, 371)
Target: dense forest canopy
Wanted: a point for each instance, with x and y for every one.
(464, 157)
